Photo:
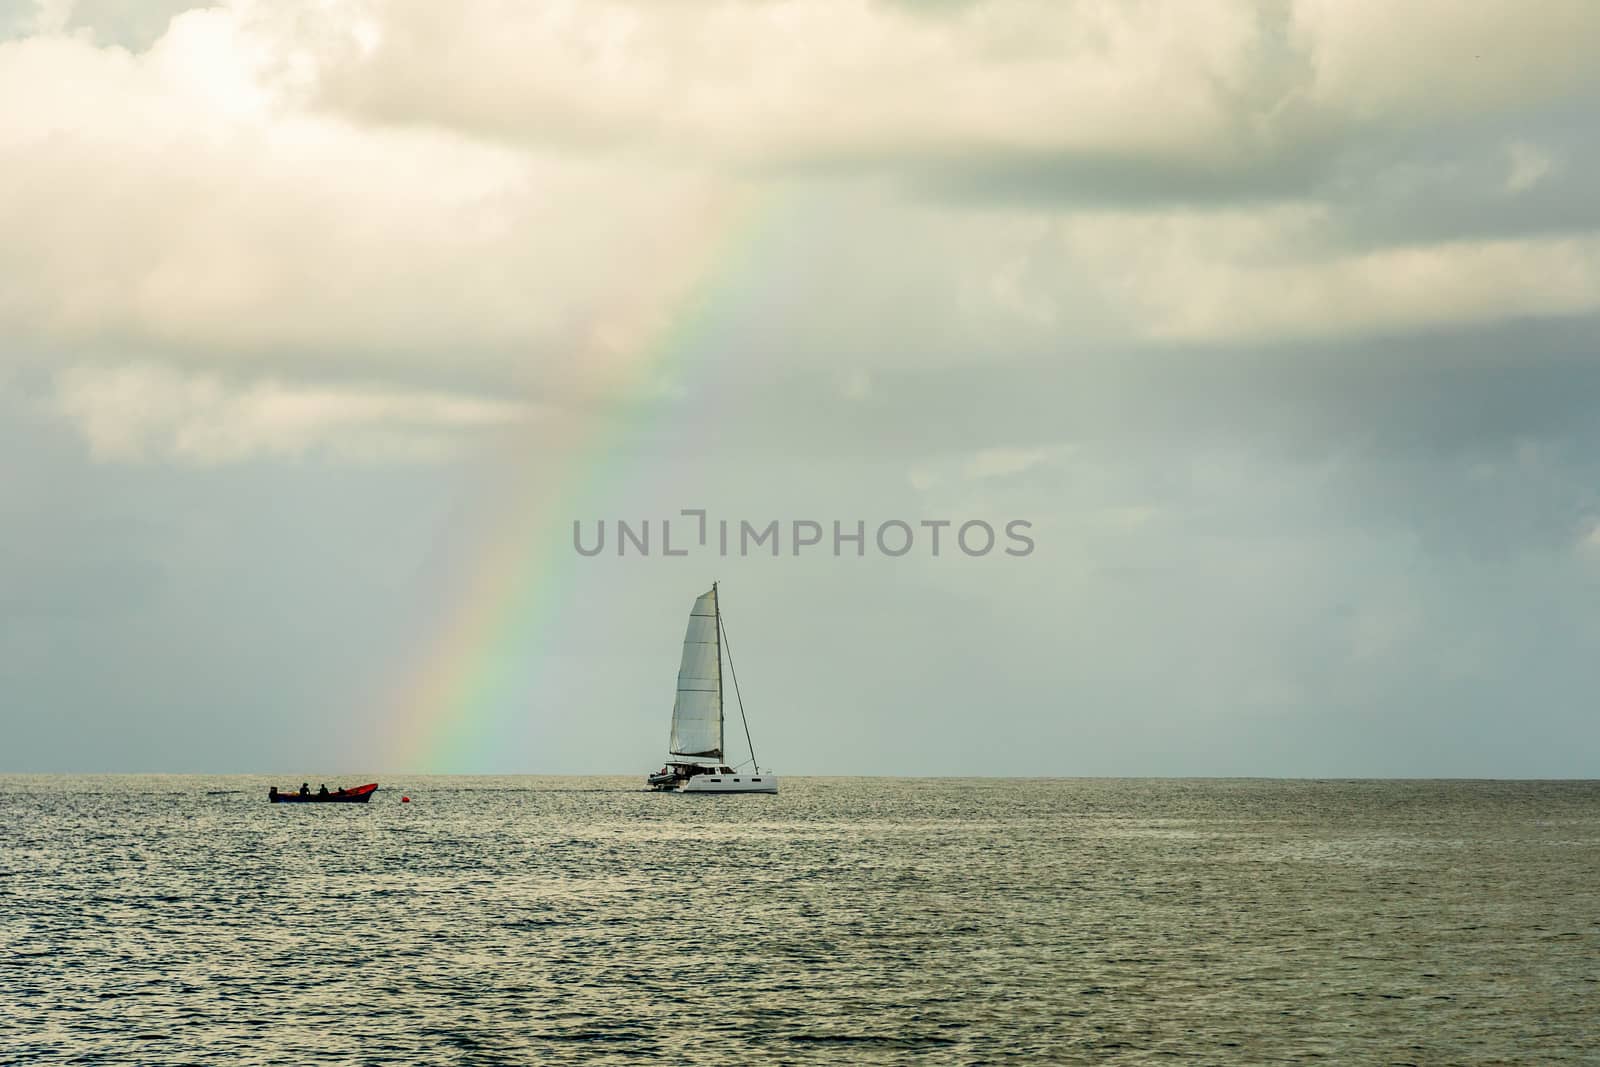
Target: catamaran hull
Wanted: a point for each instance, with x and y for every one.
(723, 783)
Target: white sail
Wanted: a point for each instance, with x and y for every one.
(697, 711)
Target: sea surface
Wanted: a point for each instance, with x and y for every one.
(180, 920)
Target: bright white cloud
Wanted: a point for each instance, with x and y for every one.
(171, 201)
(787, 79)
(801, 79)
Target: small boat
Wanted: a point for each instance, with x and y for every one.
(359, 795)
(697, 715)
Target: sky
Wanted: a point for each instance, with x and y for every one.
(322, 323)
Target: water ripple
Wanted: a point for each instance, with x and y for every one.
(180, 920)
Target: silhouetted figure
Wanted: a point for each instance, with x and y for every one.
(273, 792)
(322, 791)
(305, 789)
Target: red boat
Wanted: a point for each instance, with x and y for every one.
(359, 795)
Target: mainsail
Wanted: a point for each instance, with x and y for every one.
(697, 711)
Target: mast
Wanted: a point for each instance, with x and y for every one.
(720, 642)
(716, 606)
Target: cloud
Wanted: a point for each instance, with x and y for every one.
(491, 199)
(174, 203)
(1589, 541)
(997, 467)
(855, 385)
(786, 81)
(1528, 166)
(817, 80)
(139, 413)
(1002, 462)
(1279, 273)
(1396, 289)
(1434, 58)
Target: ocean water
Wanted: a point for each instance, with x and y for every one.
(179, 920)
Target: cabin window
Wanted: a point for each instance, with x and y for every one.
(736, 779)
(755, 779)
(716, 779)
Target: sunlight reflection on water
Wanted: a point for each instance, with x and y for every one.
(555, 920)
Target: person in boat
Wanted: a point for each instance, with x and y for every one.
(322, 790)
(305, 789)
(272, 791)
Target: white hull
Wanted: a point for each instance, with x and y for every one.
(730, 783)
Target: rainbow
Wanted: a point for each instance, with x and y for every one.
(500, 602)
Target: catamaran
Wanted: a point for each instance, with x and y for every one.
(698, 765)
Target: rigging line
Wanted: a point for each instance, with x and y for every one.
(735, 675)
